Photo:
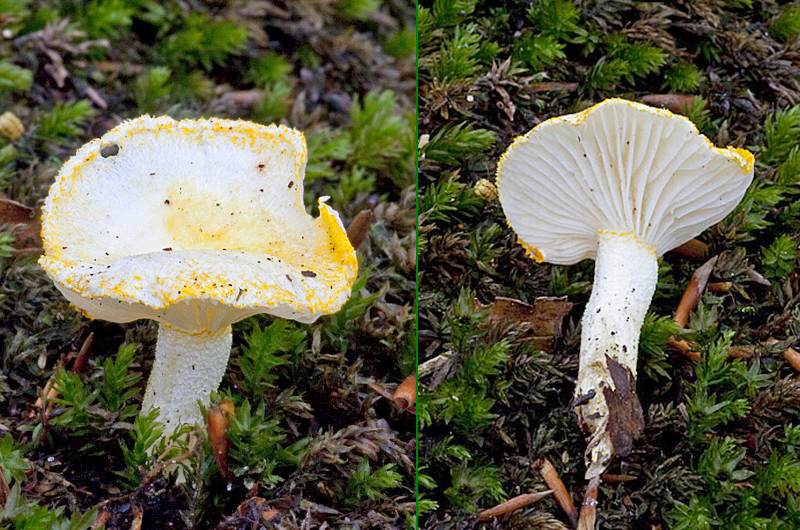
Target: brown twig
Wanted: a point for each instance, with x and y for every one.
(741, 352)
(792, 357)
(610, 478)
(161, 464)
(4, 489)
(674, 102)
(79, 364)
(684, 348)
(103, 516)
(217, 438)
(555, 483)
(691, 296)
(378, 389)
(385, 394)
(511, 505)
(138, 517)
(694, 249)
(589, 507)
(719, 287)
(48, 392)
(551, 86)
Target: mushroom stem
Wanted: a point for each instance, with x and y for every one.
(187, 368)
(626, 272)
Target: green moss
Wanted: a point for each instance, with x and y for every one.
(786, 25)
(711, 427)
(683, 78)
(304, 413)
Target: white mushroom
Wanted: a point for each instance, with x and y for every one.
(195, 224)
(620, 183)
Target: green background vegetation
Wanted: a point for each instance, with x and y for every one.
(309, 437)
(721, 440)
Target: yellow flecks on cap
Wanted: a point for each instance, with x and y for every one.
(630, 236)
(343, 252)
(743, 157)
(532, 252)
(82, 311)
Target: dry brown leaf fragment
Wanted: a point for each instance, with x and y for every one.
(359, 228)
(541, 321)
(625, 416)
(677, 103)
(406, 393)
(24, 223)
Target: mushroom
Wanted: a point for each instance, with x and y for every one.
(196, 224)
(620, 183)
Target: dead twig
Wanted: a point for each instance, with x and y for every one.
(691, 296)
(217, 438)
(792, 357)
(103, 516)
(694, 249)
(511, 505)
(684, 348)
(675, 102)
(689, 300)
(4, 489)
(161, 464)
(555, 483)
(610, 478)
(138, 517)
(552, 86)
(719, 287)
(48, 392)
(402, 405)
(589, 507)
(79, 364)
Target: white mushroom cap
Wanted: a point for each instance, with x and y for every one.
(197, 223)
(618, 166)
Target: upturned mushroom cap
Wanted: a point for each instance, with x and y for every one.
(618, 166)
(197, 224)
